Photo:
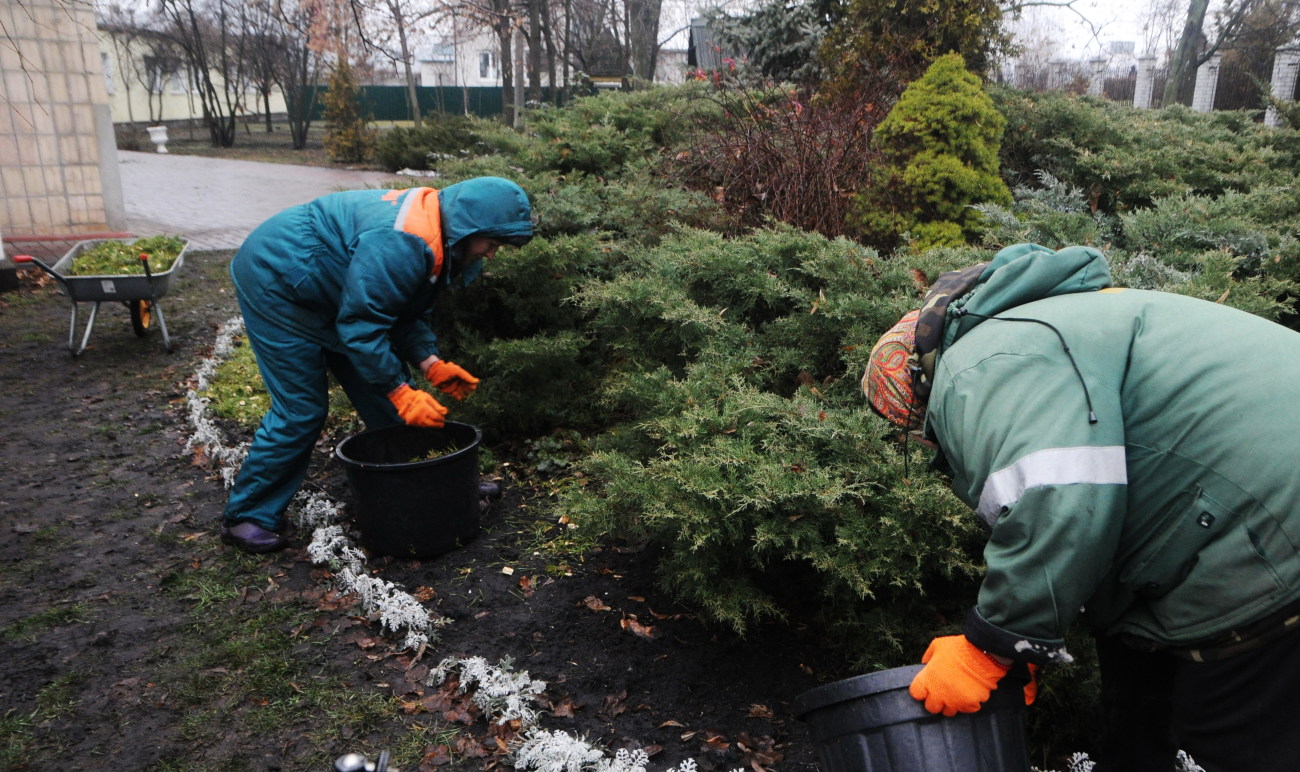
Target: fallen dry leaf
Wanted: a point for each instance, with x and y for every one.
(758, 753)
(594, 603)
(630, 624)
(761, 711)
(564, 708)
(470, 747)
(613, 705)
(435, 756)
(716, 742)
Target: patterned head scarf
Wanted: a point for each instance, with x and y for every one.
(888, 382)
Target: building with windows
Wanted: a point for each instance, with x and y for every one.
(148, 83)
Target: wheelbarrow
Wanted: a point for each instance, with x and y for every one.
(139, 294)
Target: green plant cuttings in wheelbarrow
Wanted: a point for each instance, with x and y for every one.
(110, 258)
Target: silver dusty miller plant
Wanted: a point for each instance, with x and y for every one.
(207, 435)
(503, 694)
(396, 609)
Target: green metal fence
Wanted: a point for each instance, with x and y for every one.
(388, 103)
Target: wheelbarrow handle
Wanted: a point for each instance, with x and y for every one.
(39, 263)
(60, 278)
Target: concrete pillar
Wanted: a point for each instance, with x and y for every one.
(1097, 77)
(1056, 76)
(1207, 82)
(1146, 82)
(1286, 61)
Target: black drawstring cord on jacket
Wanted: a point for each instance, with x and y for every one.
(1092, 415)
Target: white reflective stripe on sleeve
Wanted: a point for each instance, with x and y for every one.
(408, 200)
(1053, 466)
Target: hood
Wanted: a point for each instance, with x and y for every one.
(491, 206)
(900, 370)
(1021, 274)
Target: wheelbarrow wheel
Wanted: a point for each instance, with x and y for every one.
(141, 316)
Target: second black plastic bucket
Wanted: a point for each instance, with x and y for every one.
(414, 490)
(869, 723)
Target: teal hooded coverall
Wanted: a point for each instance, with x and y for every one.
(344, 284)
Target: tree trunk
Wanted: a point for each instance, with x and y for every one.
(1182, 66)
(412, 93)
(519, 80)
(643, 35)
(503, 30)
(535, 50)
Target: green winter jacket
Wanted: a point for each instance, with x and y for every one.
(1170, 519)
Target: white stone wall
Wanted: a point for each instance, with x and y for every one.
(58, 160)
(1285, 64)
(1207, 85)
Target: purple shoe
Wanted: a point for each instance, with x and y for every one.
(251, 537)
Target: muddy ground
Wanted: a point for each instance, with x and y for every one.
(101, 510)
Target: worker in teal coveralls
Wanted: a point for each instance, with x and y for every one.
(345, 284)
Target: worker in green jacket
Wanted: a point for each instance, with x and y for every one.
(345, 285)
(1134, 455)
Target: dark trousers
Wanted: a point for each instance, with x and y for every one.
(1240, 714)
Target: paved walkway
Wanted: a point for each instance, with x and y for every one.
(215, 203)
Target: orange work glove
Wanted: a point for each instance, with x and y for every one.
(1031, 688)
(416, 407)
(451, 379)
(957, 677)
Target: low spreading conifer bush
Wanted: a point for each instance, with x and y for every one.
(1125, 159)
(440, 137)
(610, 133)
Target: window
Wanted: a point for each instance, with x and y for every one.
(485, 64)
(107, 64)
(164, 72)
(154, 74)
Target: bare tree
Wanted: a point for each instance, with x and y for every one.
(309, 32)
(266, 48)
(1195, 48)
(595, 45)
(393, 38)
(212, 35)
(643, 36)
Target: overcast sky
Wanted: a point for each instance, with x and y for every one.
(1151, 25)
(1116, 20)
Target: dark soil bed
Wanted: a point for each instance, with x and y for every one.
(103, 512)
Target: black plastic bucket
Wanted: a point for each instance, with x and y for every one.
(413, 508)
(869, 723)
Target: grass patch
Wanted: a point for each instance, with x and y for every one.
(253, 664)
(28, 628)
(16, 737)
(60, 697)
(236, 393)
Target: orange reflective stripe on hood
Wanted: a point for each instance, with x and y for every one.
(420, 216)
